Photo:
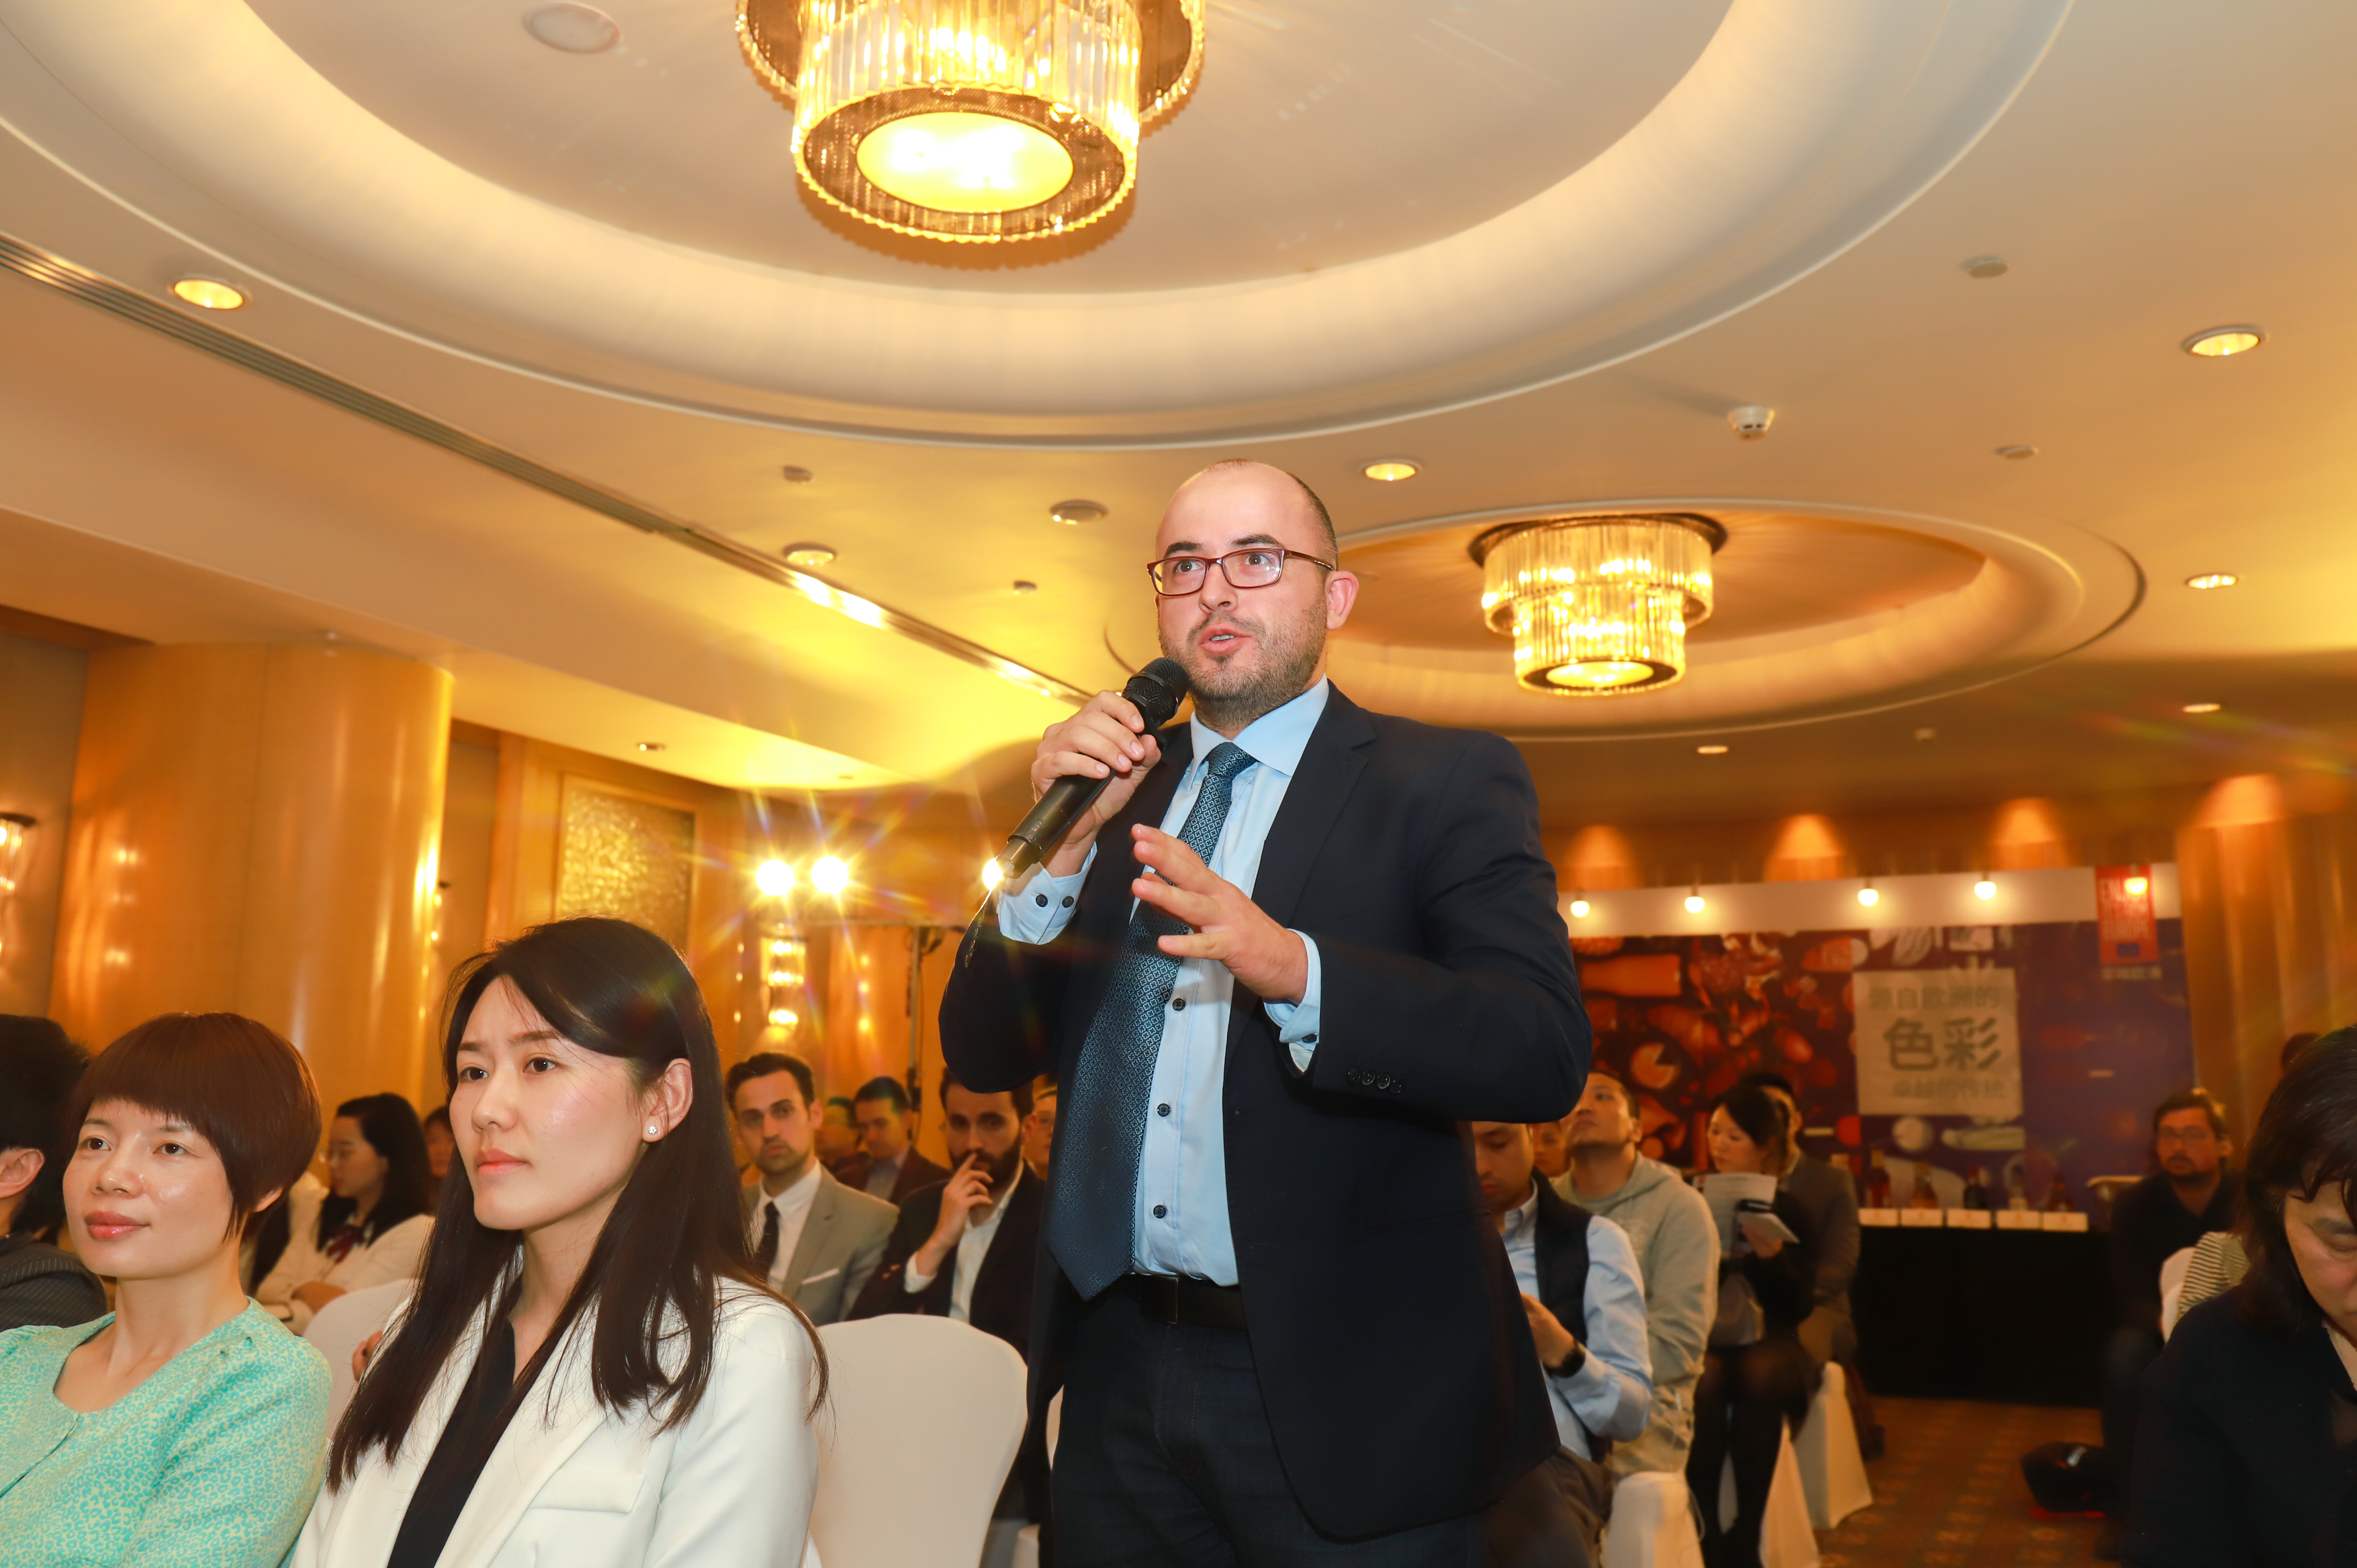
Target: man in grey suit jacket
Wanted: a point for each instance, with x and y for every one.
(815, 1239)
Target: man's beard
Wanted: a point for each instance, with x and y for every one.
(1228, 698)
(999, 1169)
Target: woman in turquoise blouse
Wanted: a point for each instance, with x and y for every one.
(189, 1427)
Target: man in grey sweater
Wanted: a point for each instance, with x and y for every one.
(1670, 1228)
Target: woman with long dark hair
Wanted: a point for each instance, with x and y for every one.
(372, 1225)
(1757, 1377)
(2246, 1442)
(590, 1373)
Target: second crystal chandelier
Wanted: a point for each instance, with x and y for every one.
(974, 120)
(1598, 605)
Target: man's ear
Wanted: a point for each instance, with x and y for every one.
(19, 1170)
(1341, 593)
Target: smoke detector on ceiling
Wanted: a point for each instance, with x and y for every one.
(1751, 421)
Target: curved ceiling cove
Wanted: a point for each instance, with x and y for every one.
(1822, 611)
(1530, 210)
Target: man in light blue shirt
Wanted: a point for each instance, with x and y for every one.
(1585, 1301)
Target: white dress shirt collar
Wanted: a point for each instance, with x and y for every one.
(794, 1207)
(1276, 739)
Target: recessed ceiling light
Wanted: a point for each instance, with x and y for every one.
(655, 746)
(208, 293)
(1712, 750)
(1077, 511)
(1986, 267)
(2203, 707)
(2016, 453)
(809, 555)
(2222, 342)
(795, 474)
(1927, 733)
(2212, 580)
(1391, 470)
(1023, 585)
(575, 28)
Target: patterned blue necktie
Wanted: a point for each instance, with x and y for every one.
(1093, 1214)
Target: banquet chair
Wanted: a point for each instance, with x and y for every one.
(338, 1328)
(2172, 1288)
(1833, 1468)
(913, 1396)
(1653, 1523)
(1785, 1539)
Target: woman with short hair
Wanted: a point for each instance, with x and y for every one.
(370, 1228)
(2246, 1444)
(188, 1426)
(590, 1373)
(1756, 1378)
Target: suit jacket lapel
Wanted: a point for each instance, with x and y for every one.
(1331, 765)
(544, 1433)
(809, 1247)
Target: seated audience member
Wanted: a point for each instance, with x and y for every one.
(2221, 1261)
(1676, 1245)
(968, 1248)
(835, 1139)
(2194, 1191)
(1551, 1149)
(889, 1167)
(1039, 1126)
(1587, 1306)
(189, 1426)
(814, 1240)
(39, 1282)
(439, 1145)
(589, 1375)
(372, 1226)
(2249, 1418)
(1829, 1196)
(1755, 1379)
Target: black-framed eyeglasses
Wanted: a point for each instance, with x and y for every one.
(1255, 567)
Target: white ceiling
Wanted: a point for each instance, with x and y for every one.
(2165, 167)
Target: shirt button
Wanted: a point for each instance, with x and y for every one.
(1160, 1212)
(1042, 898)
(1162, 1110)
(1308, 1039)
(1067, 902)
(1179, 1003)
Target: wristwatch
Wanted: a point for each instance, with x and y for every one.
(1572, 1362)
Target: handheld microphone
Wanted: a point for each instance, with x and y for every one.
(1156, 692)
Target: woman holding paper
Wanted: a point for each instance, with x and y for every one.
(1756, 1375)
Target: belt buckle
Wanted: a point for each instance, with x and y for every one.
(1158, 1296)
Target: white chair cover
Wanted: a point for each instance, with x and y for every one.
(1785, 1539)
(2172, 1287)
(1833, 1468)
(338, 1328)
(1653, 1523)
(913, 1396)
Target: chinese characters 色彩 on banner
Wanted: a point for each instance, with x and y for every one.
(1940, 1042)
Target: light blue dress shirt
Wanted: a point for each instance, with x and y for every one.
(1182, 1178)
(1614, 1387)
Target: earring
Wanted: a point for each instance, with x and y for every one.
(653, 1130)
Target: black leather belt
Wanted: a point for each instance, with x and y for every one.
(1200, 1304)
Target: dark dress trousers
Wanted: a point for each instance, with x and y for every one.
(1392, 1353)
(2246, 1450)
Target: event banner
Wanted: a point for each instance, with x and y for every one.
(1938, 1042)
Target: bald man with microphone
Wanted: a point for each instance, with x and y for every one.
(1288, 948)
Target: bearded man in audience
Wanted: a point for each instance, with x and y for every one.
(1676, 1240)
(816, 1241)
(1039, 1126)
(1585, 1301)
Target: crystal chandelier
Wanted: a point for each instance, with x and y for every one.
(974, 120)
(1598, 605)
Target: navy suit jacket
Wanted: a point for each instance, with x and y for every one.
(1393, 1354)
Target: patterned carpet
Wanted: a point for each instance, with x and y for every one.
(1949, 1492)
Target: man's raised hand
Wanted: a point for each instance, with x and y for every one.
(1268, 961)
(1106, 739)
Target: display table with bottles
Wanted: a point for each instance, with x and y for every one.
(2006, 1306)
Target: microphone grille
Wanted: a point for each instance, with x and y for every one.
(1157, 691)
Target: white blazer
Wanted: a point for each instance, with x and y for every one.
(572, 1484)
